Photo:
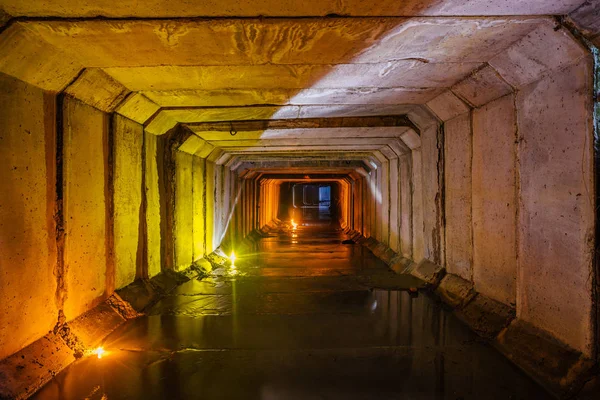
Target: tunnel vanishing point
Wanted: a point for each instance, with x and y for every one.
(443, 149)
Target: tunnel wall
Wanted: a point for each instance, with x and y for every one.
(27, 207)
(89, 269)
(519, 189)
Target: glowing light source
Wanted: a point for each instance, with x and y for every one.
(294, 225)
(232, 258)
(99, 352)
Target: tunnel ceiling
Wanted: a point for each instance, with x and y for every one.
(191, 64)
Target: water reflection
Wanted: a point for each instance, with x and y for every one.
(299, 321)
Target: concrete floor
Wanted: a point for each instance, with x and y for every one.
(306, 317)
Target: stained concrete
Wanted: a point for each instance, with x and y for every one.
(27, 240)
(128, 231)
(556, 214)
(495, 200)
(459, 228)
(153, 215)
(88, 274)
(358, 62)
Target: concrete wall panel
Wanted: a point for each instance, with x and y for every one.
(184, 211)
(27, 239)
(153, 206)
(128, 138)
(199, 207)
(557, 205)
(459, 233)
(85, 207)
(494, 200)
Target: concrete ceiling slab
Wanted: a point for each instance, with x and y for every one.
(370, 132)
(228, 42)
(247, 97)
(184, 8)
(393, 74)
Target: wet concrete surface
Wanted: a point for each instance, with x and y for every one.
(305, 317)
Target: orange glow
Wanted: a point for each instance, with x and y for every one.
(294, 225)
(99, 352)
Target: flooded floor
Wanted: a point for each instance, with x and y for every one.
(306, 317)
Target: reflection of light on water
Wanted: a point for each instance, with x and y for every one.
(374, 305)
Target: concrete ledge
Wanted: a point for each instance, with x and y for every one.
(23, 373)
(455, 291)
(428, 272)
(400, 264)
(93, 326)
(559, 368)
(485, 316)
(145, 292)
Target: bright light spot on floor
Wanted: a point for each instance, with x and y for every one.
(99, 352)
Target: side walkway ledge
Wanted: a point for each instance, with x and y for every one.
(554, 365)
(428, 272)
(23, 373)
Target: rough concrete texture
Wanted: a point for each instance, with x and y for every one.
(137, 107)
(27, 241)
(153, 204)
(95, 88)
(143, 293)
(528, 59)
(432, 178)
(494, 200)
(24, 57)
(455, 291)
(198, 209)
(93, 326)
(179, 8)
(23, 373)
(587, 19)
(481, 87)
(556, 214)
(553, 364)
(457, 163)
(447, 106)
(405, 207)
(183, 231)
(127, 175)
(85, 181)
(428, 272)
(485, 316)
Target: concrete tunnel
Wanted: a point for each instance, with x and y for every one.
(142, 144)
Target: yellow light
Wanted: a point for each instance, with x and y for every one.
(294, 225)
(99, 352)
(232, 258)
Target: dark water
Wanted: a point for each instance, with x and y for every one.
(305, 317)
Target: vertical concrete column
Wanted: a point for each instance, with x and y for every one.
(129, 228)
(458, 159)
(495, 200)
(89, 273)
(199, 207)
(183, 230)
(418, 241)
(28, 236)
(406, 198)
(394, 200)
(210, 206)
(153, 204)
